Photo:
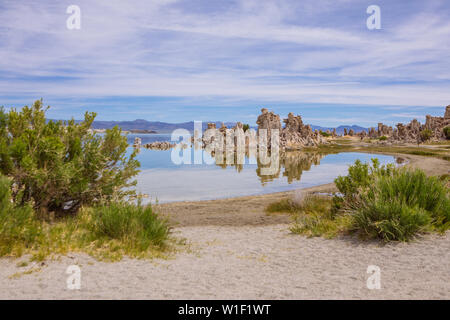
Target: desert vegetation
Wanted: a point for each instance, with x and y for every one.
(447, 132)
(383, 202)
(64, 188)
(426, 135)
(325, 134)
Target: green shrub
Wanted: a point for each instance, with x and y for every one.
(382, 138)
(390, 220)
(136, 225)
(400, 205)
(392, 203)
(106, 232)
(360, 176)
(59, 166)
(425, 135)
(447, 132)
(376, 201)
(18, 228)
(325, 134)
(49, 168)
(245, 127)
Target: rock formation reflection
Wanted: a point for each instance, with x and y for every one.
(287, 164)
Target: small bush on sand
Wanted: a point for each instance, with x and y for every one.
(375, 201)
(299, 202)
(284, 205)
(400, 205)
(360, 176)
(137, 226)
(382, 138)
(106, 232)
(311, 213)
(392, 203)
(315, 218)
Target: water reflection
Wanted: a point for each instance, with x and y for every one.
(166, 181)
(292, 164)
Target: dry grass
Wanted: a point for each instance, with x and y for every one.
(312, 215)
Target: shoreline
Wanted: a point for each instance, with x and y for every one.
(250, 210)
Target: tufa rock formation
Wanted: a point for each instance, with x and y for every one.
(137, 142)
(160, 145)
(411, 132)
(294, 135)
(268, 121)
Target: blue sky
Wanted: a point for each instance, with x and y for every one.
(183, 60)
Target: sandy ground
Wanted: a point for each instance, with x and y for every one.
(231, 212)
(236, 251)
(250, 262)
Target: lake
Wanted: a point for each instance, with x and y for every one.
(165, 181)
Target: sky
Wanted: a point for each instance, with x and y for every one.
(224, 60)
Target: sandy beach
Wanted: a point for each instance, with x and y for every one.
(251, 262)
(236, 251)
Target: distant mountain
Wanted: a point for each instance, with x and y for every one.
(157, 126)
(340, 129)
(165, 127)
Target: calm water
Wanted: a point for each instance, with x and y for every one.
(165, 181)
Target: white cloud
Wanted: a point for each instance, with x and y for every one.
(249, 51)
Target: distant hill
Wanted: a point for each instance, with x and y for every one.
(340, 129)
(156, 126)
(165, 127)
(159, 127)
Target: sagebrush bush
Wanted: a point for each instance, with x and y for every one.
(392, 203)
(360, 176)
(62, 166)
(398, 206)
(384, 202)
(48, 169)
